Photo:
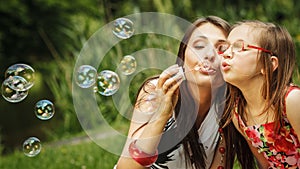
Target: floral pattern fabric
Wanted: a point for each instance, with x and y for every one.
(282, 150)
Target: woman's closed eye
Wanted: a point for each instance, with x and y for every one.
(200, 45)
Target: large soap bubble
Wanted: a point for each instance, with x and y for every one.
(17, 83)
(149, 103)
(9, 93)
(86, 76)
(108, 83)
(22, 70)
(123, 28)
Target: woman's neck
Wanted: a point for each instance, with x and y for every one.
(204, 96)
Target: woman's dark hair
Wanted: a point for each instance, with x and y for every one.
(186, 129)
(193, 149)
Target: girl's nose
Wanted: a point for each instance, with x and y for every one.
(227, 54)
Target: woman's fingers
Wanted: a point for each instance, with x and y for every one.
(169, 78)
(172, 84)
(166, 74)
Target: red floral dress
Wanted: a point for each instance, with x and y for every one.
(282, 150)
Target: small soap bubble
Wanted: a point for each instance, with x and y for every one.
(22, 70)
(107, 83)
(128, 65)
(86, 76)
(11, 95)
(44, 109)
(123, 28)
(32, 146)
(149, 103)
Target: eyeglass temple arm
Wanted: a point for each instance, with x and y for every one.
(259, 48)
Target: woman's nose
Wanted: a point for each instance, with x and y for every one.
(210, 55)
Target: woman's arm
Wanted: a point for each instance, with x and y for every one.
(147, 129)
(148, 138)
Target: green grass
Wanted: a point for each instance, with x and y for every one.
(86, 155)
(67, 154)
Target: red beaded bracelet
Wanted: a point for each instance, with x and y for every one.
(141, 157)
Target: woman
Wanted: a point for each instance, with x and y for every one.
(183, 130)
(263, 103)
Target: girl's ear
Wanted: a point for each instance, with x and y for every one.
(274, 61)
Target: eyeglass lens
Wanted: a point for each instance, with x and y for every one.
(237, 46)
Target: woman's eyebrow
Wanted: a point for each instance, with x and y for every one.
(202, 36)
(206, 38)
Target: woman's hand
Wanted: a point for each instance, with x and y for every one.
(167, 90)
(151, 114)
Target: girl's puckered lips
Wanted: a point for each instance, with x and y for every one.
(225, 66)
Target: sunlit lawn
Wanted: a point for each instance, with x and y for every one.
(81, 156)
(67, 154)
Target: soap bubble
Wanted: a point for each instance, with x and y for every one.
(149, 103)
(86, 76)
(32, 146)
(22, 70)
(128, 65)
(123, 28)
(11, 95)
(17, 83)
(108, 83)
(44, 109)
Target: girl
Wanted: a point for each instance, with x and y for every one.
(184, 126)
(263, 102)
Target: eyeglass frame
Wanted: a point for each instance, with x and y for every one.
(249, 46)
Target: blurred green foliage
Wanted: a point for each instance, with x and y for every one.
(49, 34)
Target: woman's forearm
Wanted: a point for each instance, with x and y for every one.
(147, 141)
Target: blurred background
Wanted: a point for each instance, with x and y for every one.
(49, 34)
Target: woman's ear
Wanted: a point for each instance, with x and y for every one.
(274, 61)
